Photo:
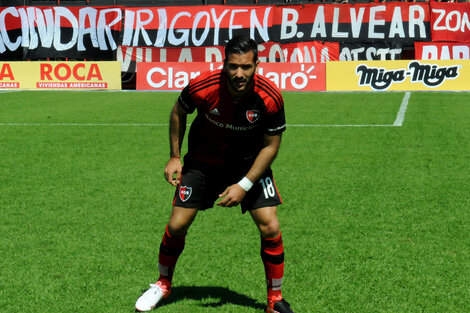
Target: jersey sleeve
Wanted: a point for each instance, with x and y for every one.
(186, 101)
(275, 122)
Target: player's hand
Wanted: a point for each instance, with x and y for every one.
(232, 196)
(173, 171)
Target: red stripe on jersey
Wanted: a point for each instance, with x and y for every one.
(267, 87)
(198, 85)
(271, 86)
(212, 82)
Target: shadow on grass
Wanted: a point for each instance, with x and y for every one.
(217, 297)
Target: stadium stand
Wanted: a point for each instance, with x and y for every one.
(136, 3)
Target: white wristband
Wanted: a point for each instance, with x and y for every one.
(246, 184)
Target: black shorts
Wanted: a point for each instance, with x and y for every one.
(200, 188)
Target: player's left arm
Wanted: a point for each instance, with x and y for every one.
(234, 194)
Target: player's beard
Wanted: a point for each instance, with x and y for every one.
(241, 85)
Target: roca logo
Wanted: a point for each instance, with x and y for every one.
(430, 75)
(65, 71)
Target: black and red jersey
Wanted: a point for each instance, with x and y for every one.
(226, 131)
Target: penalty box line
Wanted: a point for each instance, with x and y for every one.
(402, 111)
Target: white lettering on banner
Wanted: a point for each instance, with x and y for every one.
(90, 15)
(49, 23)
(199, 16)
(125, 56)
(236, 19)
(301, 56)
(356, 21)
(185, 55)
(445, 52)
(373, 22)
(231, 25)
(298, 80)
(5, 41)
(44, 20)
(289, 22)
(172, 39)
(104, 29)
(179, 79)
(376, 23)
(416, 21)
(213, 52)
(158, 27)
(306, 53)
(217, 21)
(71, 85)
(336, 33)
(263, 29)
(169, 76)
(396, 26)
(371, 53)
(319, 25)
(62, 12)
(9, 85)
(188, 37)
(430, 75)
(24, 27)
(453, 21)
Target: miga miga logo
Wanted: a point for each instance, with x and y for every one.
(430, 75)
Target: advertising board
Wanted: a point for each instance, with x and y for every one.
(403, 75)
(175, 76)
(61, 75)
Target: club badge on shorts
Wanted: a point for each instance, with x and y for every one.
(252, 115)
(185, 193)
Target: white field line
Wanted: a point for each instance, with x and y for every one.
(398, 121)
(403, 107)
(340, 125)
(8, 91)
(166, 125)
(82, 124)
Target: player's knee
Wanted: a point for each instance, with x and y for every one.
(180, 221)
(178, 226)
(177, 229)
(270, 229)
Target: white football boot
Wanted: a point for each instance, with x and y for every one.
(152, 297)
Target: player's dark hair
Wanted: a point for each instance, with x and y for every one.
(241, 45)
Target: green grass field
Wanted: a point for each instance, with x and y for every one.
(376, 217)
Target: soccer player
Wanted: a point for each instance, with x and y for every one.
(231, 144)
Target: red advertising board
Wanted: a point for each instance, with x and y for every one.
(442, 51)
(175, 76)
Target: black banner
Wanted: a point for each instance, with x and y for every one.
(97, 32)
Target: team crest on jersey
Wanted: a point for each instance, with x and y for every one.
(252, 115)
(185, 193)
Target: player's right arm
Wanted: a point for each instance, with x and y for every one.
(174, 167)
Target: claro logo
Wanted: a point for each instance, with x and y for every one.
(430, 75)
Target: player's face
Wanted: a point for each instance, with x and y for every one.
(240, 69)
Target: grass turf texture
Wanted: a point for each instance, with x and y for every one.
(376, 219)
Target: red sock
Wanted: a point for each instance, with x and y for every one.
(272, 254)
(170, 249)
